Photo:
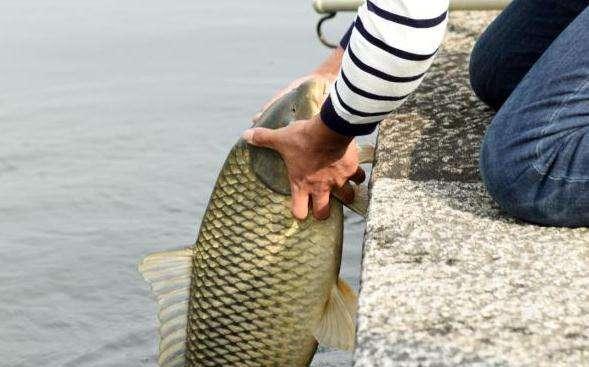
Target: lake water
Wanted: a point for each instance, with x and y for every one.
(115, 117)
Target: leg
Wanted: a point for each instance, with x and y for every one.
(535, 155)
(513, 43)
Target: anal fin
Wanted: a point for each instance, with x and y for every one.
(168, 273)
(337, 327)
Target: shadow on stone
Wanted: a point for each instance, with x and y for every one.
(436, 134)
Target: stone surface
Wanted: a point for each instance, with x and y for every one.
(448, 279)
(436, 133)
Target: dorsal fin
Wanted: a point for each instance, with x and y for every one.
(168, 274)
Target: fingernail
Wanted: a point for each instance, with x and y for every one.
(248, 135)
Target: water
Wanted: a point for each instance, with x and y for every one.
(115, 117)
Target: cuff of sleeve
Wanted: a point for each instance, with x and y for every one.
(341, 126)
(346, 38)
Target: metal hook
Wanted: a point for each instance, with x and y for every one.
(320, 32)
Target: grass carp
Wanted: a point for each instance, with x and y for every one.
(258, 288)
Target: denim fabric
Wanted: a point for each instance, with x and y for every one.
(535, 154)
(513, 43)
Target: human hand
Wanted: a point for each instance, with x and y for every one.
(318, 160)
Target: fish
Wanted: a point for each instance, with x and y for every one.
(258, 287)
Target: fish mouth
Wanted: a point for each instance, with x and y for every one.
(301, 103)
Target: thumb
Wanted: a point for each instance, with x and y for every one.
(261, 137)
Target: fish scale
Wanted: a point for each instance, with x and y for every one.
(259, 287)
(259, 277)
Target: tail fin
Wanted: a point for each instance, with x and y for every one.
(337, 327)
(168, 274)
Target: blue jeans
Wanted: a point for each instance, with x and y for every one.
(532, 65)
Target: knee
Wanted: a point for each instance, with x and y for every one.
(481, 72)
(478, 79)
(489, 73)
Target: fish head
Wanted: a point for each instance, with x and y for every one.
(301, 103)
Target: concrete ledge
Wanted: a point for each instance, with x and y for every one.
(448, 279)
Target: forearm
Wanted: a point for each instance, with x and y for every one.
(391, 46)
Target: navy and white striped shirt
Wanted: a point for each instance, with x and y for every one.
(389, 48)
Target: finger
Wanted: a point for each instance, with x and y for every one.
(344, 193)
(359, 176)
(300, 203)
(321, 205)
(260, 137)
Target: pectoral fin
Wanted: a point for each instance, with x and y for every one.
(365, 154)
(337, 327)
(361, 199)
(168, 274)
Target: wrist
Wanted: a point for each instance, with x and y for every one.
(326, 137)
(336, 123)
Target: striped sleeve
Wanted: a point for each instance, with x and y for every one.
(390, 46)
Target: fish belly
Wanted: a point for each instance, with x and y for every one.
(260, 279)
